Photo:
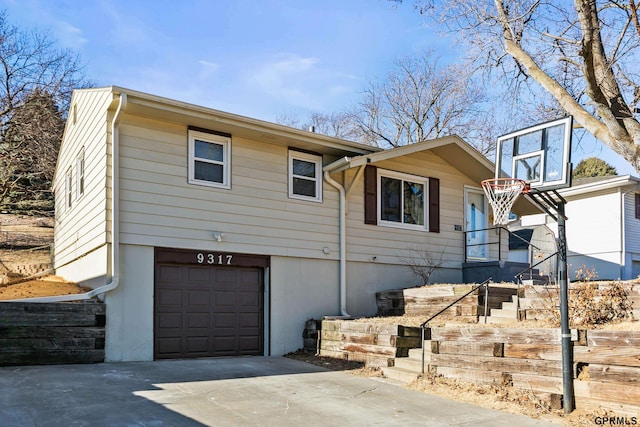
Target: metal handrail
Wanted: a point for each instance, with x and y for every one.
(531, 268)
(499, 242)
(519, 276)
(426, 322)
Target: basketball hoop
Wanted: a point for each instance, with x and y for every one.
(502, 194)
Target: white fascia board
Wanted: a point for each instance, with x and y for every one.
(239, 121)
(615, 182)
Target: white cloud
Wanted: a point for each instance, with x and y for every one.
(126, 29)
(287, 76)
(69, 35)
(207, 69)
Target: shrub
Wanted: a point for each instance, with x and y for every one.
(591, 305)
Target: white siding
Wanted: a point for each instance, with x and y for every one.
(159, 208)
(82, 228)
(593, 232)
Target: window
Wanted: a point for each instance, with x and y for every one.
(409, 201)
(637, 205)
(209, 159)
(305, 176)
(80, 175)
(402, 199)
(67, 190)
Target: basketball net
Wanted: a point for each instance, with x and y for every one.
(502, 194)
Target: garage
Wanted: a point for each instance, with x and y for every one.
(208, 304)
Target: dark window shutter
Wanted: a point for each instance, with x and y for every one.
(638, 206)
(434, 205)
(370, 195)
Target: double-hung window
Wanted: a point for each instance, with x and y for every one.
(209, 159)
(305, 176)
(402, 200)
(68, 190)
(80, 174)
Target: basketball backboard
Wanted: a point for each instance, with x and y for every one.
(539, 155)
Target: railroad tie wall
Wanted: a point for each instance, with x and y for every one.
(51, 333)
(376, 345)
(429, 300)
(606, 363)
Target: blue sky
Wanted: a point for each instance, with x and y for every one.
(257, 58)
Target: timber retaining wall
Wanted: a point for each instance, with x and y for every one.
(606, 362)
(51, 333)
(374, 344)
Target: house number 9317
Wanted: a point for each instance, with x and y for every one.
(214, 259)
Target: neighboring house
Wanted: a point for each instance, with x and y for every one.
(603, 227)
(212, 234)
(535, 247)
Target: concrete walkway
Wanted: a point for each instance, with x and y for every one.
(245, 391)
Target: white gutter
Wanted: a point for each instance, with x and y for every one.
(115, 222)
(343, 246)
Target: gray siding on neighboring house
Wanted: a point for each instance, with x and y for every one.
(632, 224)
(631, 267)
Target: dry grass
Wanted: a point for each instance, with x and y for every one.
(506, 399)
(47, 286)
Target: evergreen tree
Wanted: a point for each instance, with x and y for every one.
(593, 166)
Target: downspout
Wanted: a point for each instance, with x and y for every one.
(343, 245)
(623, 234)
(115, 223)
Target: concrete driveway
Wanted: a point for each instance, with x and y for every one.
(244, 391)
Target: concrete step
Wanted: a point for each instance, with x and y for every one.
(498, 320)
(504, 314)
(413, 365)
(511, 306)
(538, 281)
(416, 353)
(399, 374)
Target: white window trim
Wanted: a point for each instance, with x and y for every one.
(226, 158)
(68, 190)
(80, 175)
(317, 160)
(404, 177)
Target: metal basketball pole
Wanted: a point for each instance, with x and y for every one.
(567, 344)
(550, 204)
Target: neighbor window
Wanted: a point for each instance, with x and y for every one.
(67, 190)
(305, 176)
(209, 159)
(80, 174)
(402, 200)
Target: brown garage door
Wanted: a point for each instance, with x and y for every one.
(204, 310)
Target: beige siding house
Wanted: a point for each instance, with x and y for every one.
(212, 234)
